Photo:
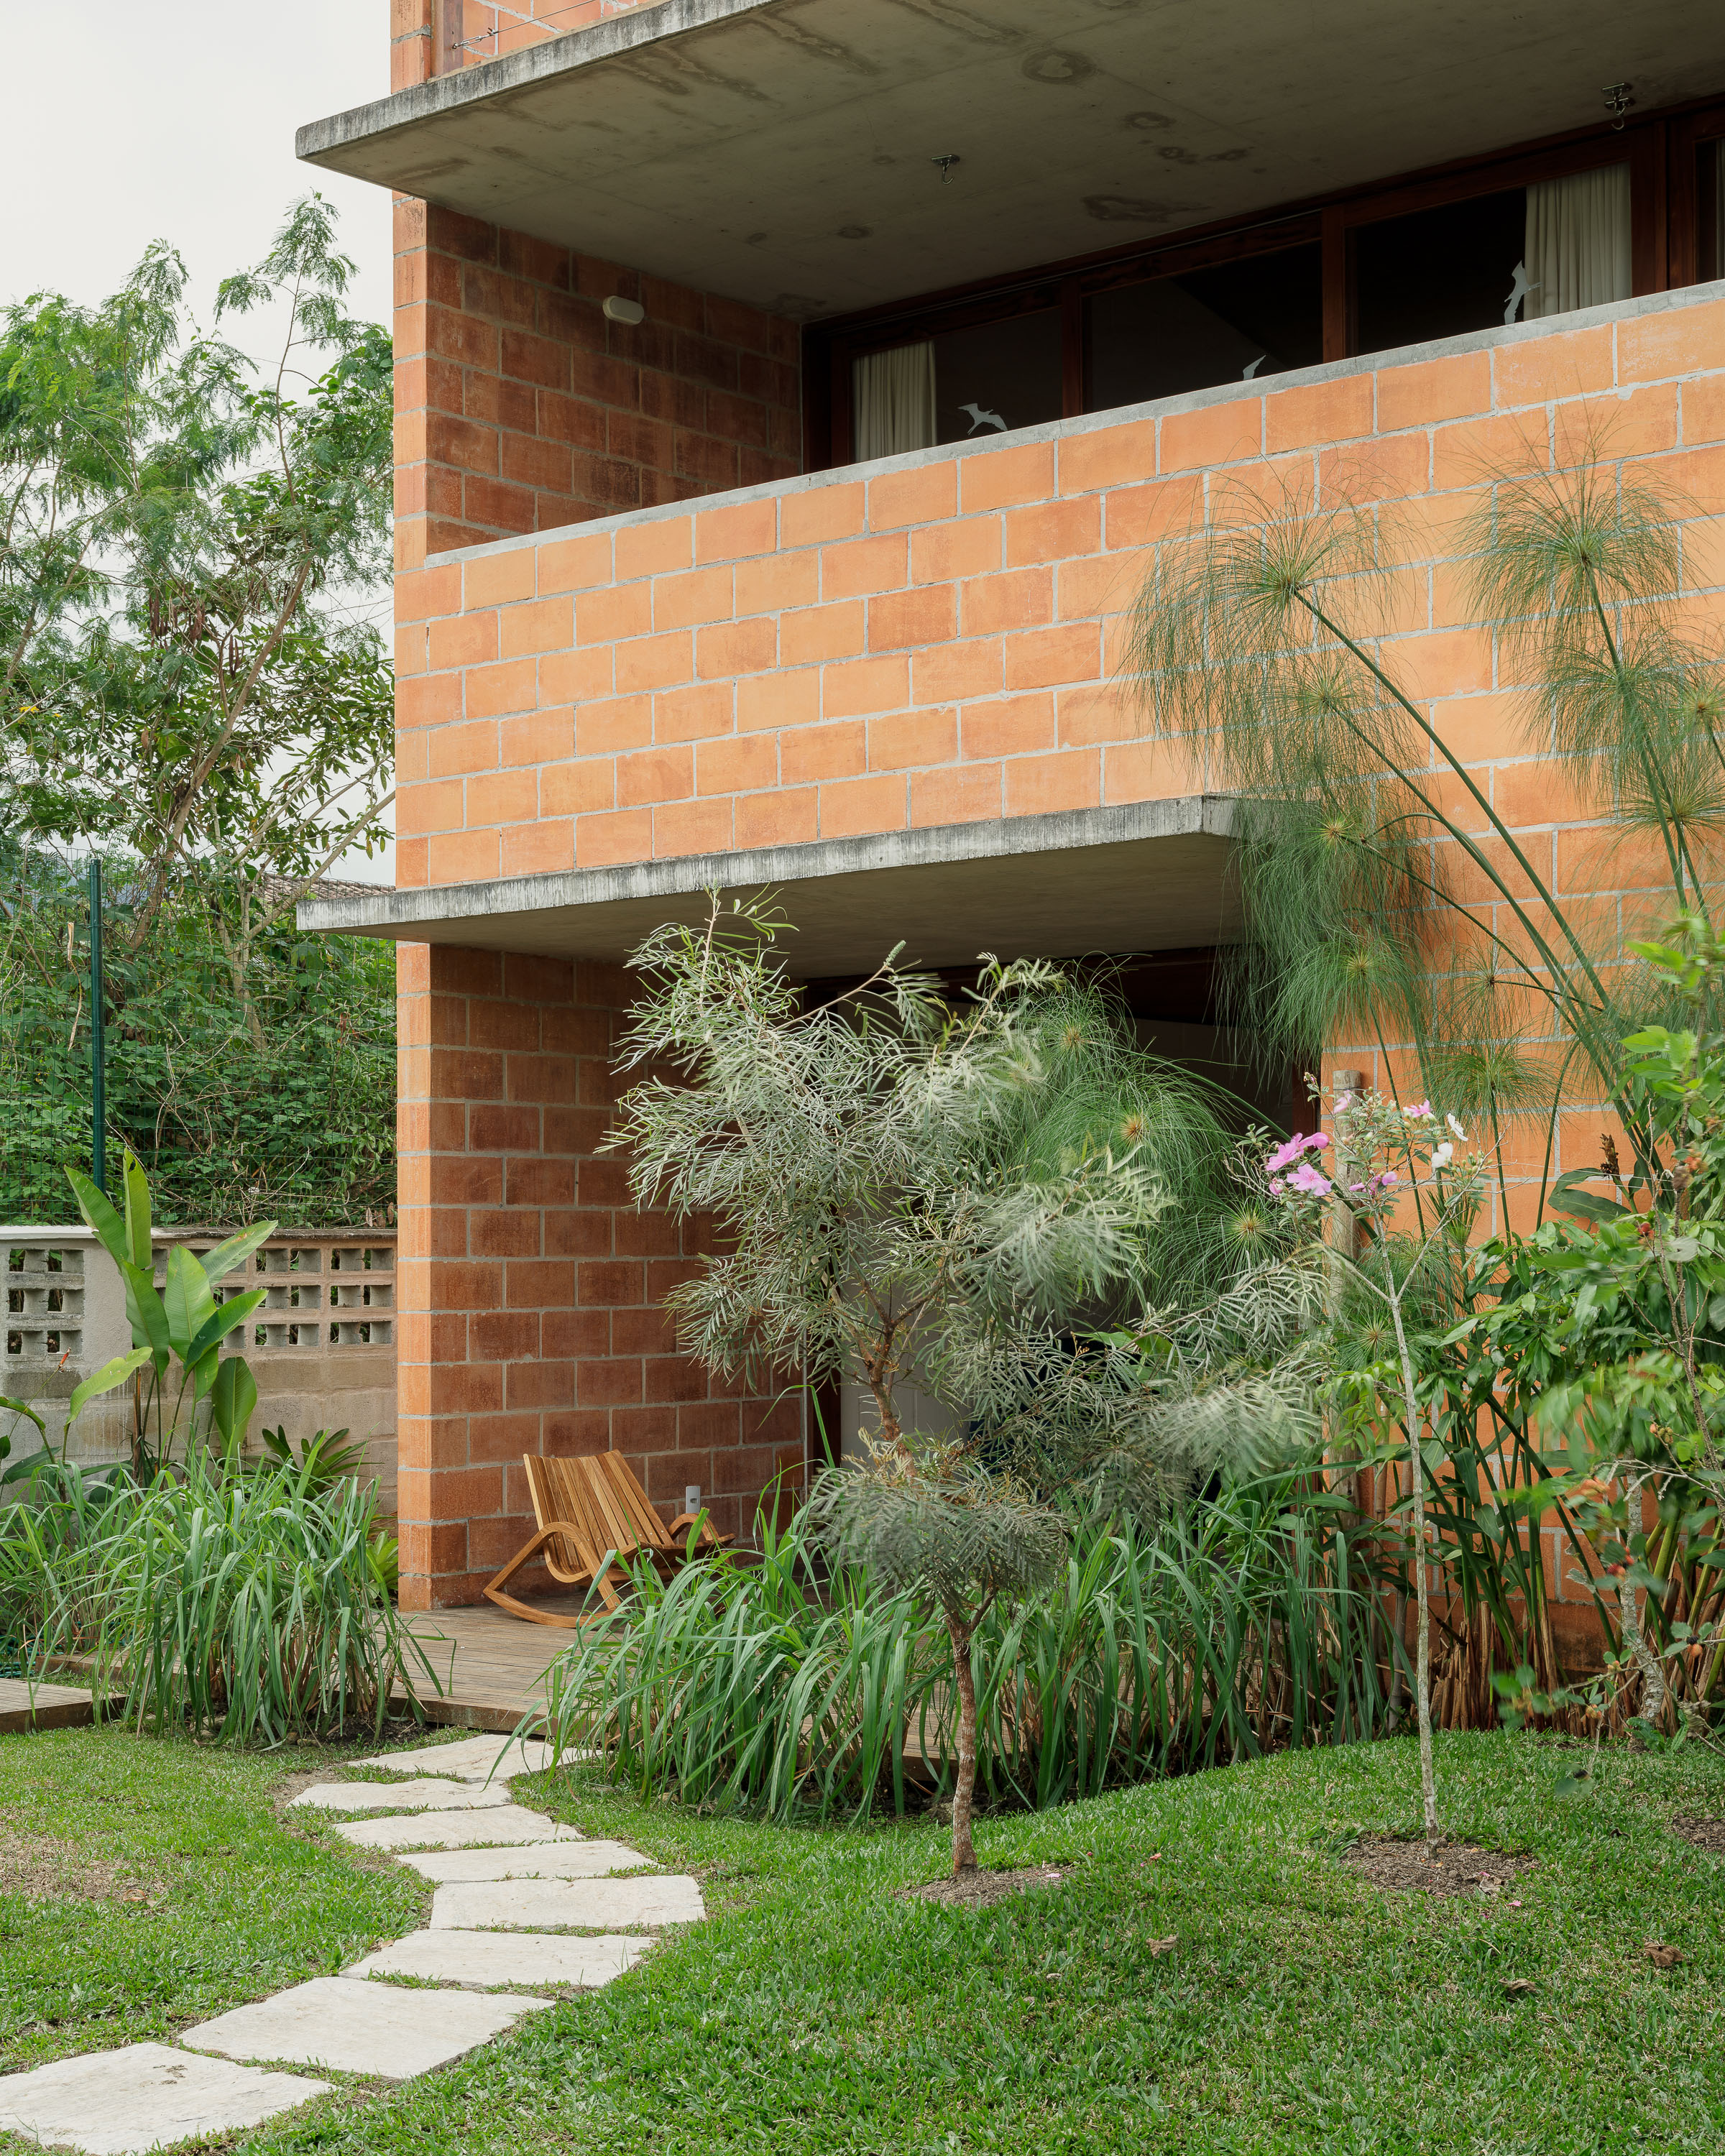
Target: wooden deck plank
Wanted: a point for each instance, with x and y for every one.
(491, 1665)
(42, 1707)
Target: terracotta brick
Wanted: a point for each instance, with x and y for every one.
(852, 687)
(1215, 434)
(462, 639)
(691, 827)
(860, 567)
(999, 479)
(1040, 658)
(582, 788)
(463, 856)
(950, 673)
(427, 700)
(654, 662)
(1323, 412)
(1070, 778)
(574, 565)
(900, 620)
(815, 632)
(538, 849)
(653, 549)
(602, 841)
(496, 579)
(1472, 451)
(726, 535)
(772, 582)
(962, 794)
(1138, 516)
(655, 774)
(915, 497)
(734, 648)
(849, 807)
(909, 739)
(820, 513)
(788, 698)
(435, 808)
(789, 817)
(1108, 457)
(1434, 389)
(612, 723)
(694, 597)
(456, 750)
(536, 737)
(738, 766)
(1681, 342)
(968, 547)
(1053, 530)
(504, 797)
(512, 685)
(1548, 367)
(547, 625)
(1021, 599)
(694, 713)
(818, 752)
(1013, 726)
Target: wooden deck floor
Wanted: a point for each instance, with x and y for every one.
(491, 1666)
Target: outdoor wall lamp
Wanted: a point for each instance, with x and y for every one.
(617, 309)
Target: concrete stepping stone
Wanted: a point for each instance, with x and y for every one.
(495, 1825)
(112, 2103)
(551, 1905)
(552, 1859)
(424, 1795)
(360, 2028)
(473, 1759)
(476, 1959)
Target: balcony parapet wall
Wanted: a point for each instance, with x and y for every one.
(933, 639)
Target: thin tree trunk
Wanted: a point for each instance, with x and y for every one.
(1422, 1660)
(965, 1788)
(1653, 1687)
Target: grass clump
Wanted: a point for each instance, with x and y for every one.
(1240, 1624)
(243, 1606)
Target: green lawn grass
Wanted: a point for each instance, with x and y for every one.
(815, 2014)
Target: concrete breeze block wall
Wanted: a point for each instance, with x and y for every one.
(530, 1288)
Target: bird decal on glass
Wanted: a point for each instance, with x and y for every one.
(1247, 372)
(979, 418)
(1519, 291)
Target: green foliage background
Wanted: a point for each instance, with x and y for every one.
(302, 1127)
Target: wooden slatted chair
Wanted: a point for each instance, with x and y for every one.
(582, 1509)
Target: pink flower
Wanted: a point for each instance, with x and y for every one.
(1292, 1149)
(1306, 1177)
(1421, 1112)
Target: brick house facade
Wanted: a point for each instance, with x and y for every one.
(645, 641)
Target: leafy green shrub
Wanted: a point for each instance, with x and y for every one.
(1242, 1624)
(241, 1605)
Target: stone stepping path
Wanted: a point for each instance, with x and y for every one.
(566, 1905)
(422, 1794)
(483, 1958)
(112, 2103)
(520, 1901)
(360, 2028)
(535, 1859)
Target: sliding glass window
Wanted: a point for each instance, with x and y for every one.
(1238, 320)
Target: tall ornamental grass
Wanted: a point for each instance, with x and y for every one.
(243, 1606)
(1241, 1626)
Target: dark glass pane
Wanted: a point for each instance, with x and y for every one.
(1241, 319)
(1439, 273)
(1011, 368)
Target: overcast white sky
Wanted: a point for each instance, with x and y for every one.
(129, 120)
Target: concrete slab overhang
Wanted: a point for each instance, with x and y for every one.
(1150, 875)
(780, 152)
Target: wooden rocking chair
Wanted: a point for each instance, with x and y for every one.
(584, 1508)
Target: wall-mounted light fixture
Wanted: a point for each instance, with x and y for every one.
(617, 309)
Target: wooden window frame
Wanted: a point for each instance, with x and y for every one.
(1662, 151)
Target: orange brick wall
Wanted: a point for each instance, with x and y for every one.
(529, 1288)
(922, 642)
(520, 407)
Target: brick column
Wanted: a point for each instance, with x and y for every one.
(530, 1287)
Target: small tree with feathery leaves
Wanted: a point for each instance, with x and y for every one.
(963, 1194)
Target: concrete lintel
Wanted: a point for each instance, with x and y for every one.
(1148, 874)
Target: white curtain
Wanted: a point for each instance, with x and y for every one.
(1578, 247)
(892, 401)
